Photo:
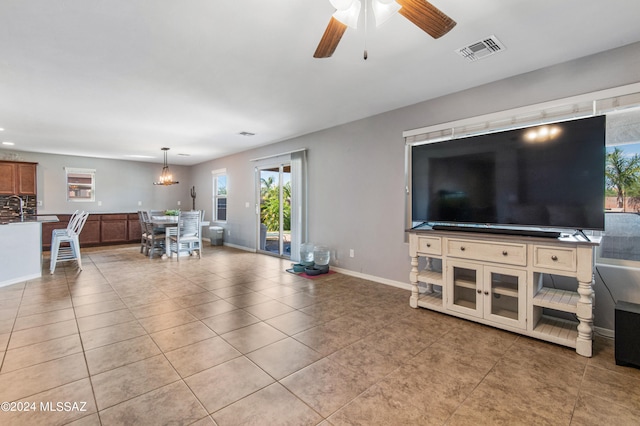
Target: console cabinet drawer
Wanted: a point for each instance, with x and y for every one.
(506, 253)
(430, 245)
(561, 259)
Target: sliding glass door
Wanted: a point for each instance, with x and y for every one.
(275, 209)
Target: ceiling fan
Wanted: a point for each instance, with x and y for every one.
(423, 14)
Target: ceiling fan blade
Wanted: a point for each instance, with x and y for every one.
(427, 17)
(330, 39)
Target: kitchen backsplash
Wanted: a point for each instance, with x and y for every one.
(8, 207)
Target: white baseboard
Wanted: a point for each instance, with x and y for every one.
(393, 283)
(239, 247)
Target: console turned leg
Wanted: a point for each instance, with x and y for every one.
(413, 279)
(584, 312)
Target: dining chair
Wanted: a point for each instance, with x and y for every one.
(70, 224)
(155, 237)
(143, 232)
(65, 243)
(188, 236)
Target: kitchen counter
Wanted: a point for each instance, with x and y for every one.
(21, 248)
(41, 218)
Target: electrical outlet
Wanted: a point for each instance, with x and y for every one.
(179, 202)
(99, 203)
(39, 203)
(139, 203)
(352, 253)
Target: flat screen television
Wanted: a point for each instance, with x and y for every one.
(547, 176)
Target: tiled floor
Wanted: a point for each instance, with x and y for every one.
(233, 339)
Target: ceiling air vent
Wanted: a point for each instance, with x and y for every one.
(481, 49)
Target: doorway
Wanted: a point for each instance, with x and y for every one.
(274, 201)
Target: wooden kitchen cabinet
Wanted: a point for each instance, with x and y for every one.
(113, 228)
(17, 178)
(90, 234)
(99, 229)
(134, 227)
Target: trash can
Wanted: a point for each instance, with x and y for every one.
(216, 235)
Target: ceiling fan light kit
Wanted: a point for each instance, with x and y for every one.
(421, 13)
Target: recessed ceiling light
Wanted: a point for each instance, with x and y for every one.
(139, 156)
(8, 143)
(1, 129)
(246, 134)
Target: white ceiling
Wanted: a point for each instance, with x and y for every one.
(123, 78)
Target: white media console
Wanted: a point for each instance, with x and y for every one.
(498, 280)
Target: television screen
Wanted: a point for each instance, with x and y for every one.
(550, 175)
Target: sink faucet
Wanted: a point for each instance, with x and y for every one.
(20, 204)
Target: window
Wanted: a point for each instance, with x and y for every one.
(220, 194)
(621, 240)
(80, 184)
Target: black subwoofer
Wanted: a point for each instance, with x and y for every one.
(627, 339)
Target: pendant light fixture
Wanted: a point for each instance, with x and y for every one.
(166, 178)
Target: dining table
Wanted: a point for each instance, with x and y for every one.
(170, 226)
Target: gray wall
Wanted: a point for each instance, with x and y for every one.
(119, 184)
(356, 171)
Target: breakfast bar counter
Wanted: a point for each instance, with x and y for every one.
(21, 248)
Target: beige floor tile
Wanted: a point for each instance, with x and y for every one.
(42, 377)
(45, 318)
(325, 386)
(210, 309)
(27, 309)
(269, 309)
(596, 411)
(326, 340)
(230, 321)
(197, 298)
(168, 320)
(38, 353)
(269, 406)
(293, 322)
(298, 300)
(121, 353)
(620, 388)
(92, 339)
(58, 406)
(379, 406)
(173, 404)
(90, 290)
(233, 380)
(104, 320)
(90, 420)
(200, 356)
(182, 335)
(253, 337)
(95, 298)
(248, 299)
(120, 384)
(152, 309)
(284, 357)
(145, 298)
(43, 333)
(231, 291)
(99, 308)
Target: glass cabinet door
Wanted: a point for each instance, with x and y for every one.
(504, 296)
(465, 288)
